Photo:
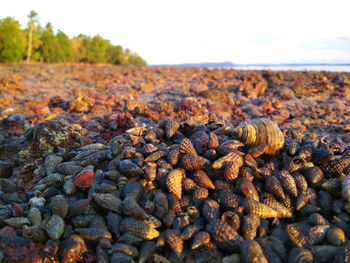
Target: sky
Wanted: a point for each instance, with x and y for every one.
(194, 31)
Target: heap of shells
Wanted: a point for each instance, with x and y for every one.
(190, 191)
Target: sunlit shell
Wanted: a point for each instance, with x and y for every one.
(210, 209)
(228, 199)
(335, 236)
(269, 200)
(175, 242)
(235, 156)
(261, 131)
(138, 228)
(231, 171)
(300, 182)
(200, 239)
(192, 162)
(258, 150)
(171, 127)
(247, 188)
(149, 148)
(154, 156)
(203, 180)
(250, 225)
(174, 182)
(186, 147)
(213, 141)
(252, 206)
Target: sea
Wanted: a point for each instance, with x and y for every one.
(323, 67)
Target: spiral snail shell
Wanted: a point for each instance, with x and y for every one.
(261, 131)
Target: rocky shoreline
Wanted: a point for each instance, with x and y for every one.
(101, 163)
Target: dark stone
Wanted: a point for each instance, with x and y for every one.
(5, 169)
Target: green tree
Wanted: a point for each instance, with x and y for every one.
(33, 35)
(114, 54)
(50, 49)
(96, 49)
(135, 59)
(12, 40)
(79, 44)
(65, 46)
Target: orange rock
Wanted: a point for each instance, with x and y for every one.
(84, 179)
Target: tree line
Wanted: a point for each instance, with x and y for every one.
(37, 43)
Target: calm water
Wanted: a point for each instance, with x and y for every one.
(335, 68)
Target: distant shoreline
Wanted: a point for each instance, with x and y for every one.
(229, 64)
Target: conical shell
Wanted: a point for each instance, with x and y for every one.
(258, 150)
(200, 239)
(229, 146)
(335, 167)
(288, 183)
(231, 171)
(235, 156)
(213, 141)
(252, 252)
(138, 228)
(247, 188)
(174, 242)
(261, 131)
(210, 209)
(300, 182)
(149, 148)
(224, 236)
(298, 234)
(192, 162)
(171, 128)
(335, 236)
(273, 186)
(252, 206)
(249, 226)
(188, 185)
(269, 200)
(174, 156)
(186, 147)
(228, 199)
(174, 182)
(154, 156)
(203, 180)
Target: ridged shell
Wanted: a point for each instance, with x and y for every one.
(273, 186)
(300, 182)
(54, 227)
(93, 233)
(171, 127)
(78, 207)
(17, 222)
(261, 131)
(210, 209)
(150, 171)
(235, 156)
(192, 162)
(269, 200)
(335, 236)
(203, 180)
(313, 175)
(258, 150)
(249, 226)
(224, 236)
(175, 242)
(126, 249)
(288, 183)
(247, 188)
(252, 252)
(231, 171)
(186, 147)
(200, 239)
(155, 156)
(138, 228)
(213, 141)
(174, 156)
(35, 233)
(254, 207)
(232, 219)
(335, 167)
(174, 182)
(228, 199)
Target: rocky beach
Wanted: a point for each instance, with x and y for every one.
(104, 163)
